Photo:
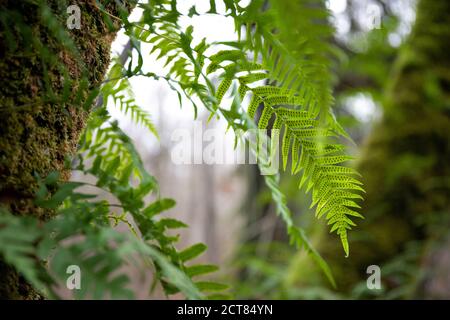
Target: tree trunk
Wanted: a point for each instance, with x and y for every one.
(37, 133)
(404, 163)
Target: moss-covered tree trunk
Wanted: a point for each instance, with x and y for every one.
(37, 132)
(405, 162)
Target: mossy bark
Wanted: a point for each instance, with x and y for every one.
(405, 162)
(37, 133)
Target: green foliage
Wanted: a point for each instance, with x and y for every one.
(291, 57)
(84, 231)
(291, 37)
(266, 276)
(296, 234)
(298, 103)
(102, 250)
(17, 237)
(298, 97)
(118, 88)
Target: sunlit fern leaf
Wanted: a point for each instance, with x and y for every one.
(291, 37)
(300, 64)
(310, 144)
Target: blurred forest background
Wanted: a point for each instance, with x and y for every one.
(392, 96)
(391, 83)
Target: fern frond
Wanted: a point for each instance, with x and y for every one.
(118, 88)
(311, 144)
(291, 37)
(184, 63)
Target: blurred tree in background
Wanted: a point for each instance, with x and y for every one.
(405, 166)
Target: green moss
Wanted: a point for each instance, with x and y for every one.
(35, 135)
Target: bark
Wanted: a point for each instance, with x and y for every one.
(36, 132)
(404, 162)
